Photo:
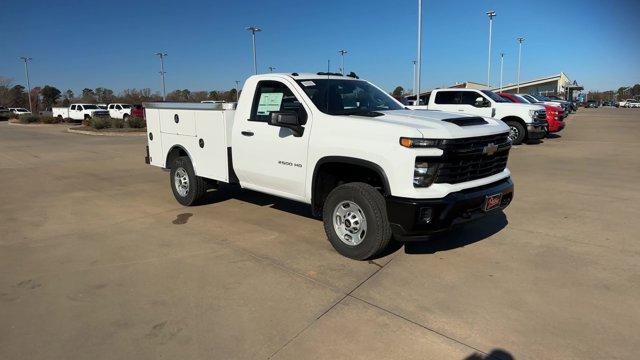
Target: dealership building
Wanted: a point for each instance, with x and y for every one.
(558, 84)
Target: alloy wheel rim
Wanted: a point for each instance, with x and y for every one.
(181, 181)
(513, 133)
(349, 223)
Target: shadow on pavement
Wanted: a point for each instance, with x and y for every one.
(553, 136)
(495, 354)
(459, 237)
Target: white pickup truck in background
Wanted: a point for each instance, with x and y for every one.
(78, 112)
(119, 111)
(372, 168)
(526, 121)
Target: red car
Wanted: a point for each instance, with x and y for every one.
(138, 111)
(554, 114)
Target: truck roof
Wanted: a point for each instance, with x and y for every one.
(310, 76)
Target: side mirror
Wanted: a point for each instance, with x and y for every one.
(287, 120)
(481, 102)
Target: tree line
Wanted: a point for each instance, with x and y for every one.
(623, 93)
(45, 97)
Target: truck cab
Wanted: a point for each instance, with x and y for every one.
(369, 166)
(119, 111)
(526, 122)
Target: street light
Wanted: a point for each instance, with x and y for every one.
(237, 84)
(162, 72)
(254, 30)
(342, 52)
(520, 41)
(501, 67)
(26, 71)
(414, 76)
(271, 68)
(491, 15)
(419, 58)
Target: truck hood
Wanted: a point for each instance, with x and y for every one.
(433, 124)
(520, 106)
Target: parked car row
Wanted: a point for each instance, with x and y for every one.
(88, 111)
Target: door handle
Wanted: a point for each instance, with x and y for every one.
(247, 133)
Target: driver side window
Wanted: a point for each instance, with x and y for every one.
(274, 96)
(469, 98)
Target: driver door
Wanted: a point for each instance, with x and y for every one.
(269, 158)
(469, 105)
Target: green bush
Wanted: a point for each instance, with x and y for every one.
(29, 119)
(49, 120)
(117, 123)
(99, 123)
(137, 123)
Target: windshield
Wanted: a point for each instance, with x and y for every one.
(523, 99)
(87, 107)
(495, 97)
(347, 97)
(125, 106)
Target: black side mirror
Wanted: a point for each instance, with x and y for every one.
(287, 120)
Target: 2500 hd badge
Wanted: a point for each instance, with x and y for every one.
(289, 163)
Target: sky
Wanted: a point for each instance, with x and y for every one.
(78, 44)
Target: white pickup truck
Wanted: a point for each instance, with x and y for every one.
(119, 111)
(78, 112)
(526, 121)
(372, 168)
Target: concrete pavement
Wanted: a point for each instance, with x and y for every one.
(98, 261)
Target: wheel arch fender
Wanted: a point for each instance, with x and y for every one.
(344, 160)
(176, 151)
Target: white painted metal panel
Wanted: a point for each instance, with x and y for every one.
(211, 157)
(154, 138)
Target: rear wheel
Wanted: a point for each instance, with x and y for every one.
(517, 132)
(187, 188)
(355, 220)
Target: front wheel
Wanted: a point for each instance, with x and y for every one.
(355, 220)
(187, 188)
(517, 132)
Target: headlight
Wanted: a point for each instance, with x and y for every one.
(537, 113)
(419, 142)
(424, 173)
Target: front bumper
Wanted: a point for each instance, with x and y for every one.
(407, 217)
(537, 130)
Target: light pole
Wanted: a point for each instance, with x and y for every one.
(520, 41)
(342, 52)
(26, 72)
(491, 15)
(419, 58)
(237, 91)
(254, 30)
(271, 68)
(162, 72)
(414, 77)
(501, 67)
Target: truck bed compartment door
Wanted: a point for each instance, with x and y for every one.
(210, 153)
(154, 139)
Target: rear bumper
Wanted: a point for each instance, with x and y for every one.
(408, 217)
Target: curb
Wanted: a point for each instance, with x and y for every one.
(33, 125)
(106, 133)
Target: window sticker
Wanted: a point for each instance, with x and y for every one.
(308, 83)
(269, 102)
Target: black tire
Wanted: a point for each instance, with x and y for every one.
(373, 206)
(518, 130)
(87, 117)
(125, 117)
(196, 188)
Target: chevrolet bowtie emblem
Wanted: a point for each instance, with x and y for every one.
(490, 149)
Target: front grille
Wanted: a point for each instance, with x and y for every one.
(470, 158)
(542, 115)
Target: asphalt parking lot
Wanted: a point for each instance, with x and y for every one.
(98, 261)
